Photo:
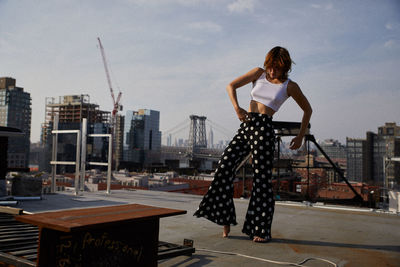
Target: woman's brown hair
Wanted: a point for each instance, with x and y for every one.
(278, 57)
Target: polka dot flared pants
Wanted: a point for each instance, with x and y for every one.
(256, 137)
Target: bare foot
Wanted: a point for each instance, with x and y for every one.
(259, 239)
(227, 229)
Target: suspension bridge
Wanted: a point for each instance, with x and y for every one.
(198, 150)
(194, 128)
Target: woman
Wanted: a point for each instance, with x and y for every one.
(271, 87)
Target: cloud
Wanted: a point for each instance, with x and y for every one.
(240, 6)
(181, 38)
(389, 26)
(390, 44)
(392, 26)
(328, 6)
(169, 2)
(208, 26)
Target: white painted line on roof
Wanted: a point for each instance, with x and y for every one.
(308, 204)
(321, 206)
(342, 208)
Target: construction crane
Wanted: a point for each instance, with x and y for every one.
(116, 104)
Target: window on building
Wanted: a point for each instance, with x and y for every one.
(150, 139)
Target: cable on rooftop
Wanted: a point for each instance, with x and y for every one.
(300, 264)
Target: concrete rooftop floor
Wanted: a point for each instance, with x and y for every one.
(345, 236)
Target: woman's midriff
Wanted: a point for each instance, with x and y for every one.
(257, 107)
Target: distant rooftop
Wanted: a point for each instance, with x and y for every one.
(345, 236)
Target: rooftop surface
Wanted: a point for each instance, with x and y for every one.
(345, 236)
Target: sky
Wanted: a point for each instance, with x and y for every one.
(178, 56)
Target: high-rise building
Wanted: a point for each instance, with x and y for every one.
(390, 132)
(369, 160)
(374, 153)
(333, 148)
(15, 111)
(211, 139)
(169, 140)
(142, 138)
(380, 148)
(355, 154)
(181, 142)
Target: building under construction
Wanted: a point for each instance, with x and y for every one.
(71, 109)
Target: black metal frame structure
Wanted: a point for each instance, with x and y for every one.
(284, 128)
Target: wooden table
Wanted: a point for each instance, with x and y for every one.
(125, 235)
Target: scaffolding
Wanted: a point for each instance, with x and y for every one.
(70, 109)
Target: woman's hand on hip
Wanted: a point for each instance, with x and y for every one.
(242, 114)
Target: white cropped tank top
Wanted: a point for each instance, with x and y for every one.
(270, 94)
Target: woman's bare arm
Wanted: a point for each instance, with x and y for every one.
(251, 76)
(295, 92)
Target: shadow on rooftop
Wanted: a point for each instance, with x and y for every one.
(239, 237)
(324, 244)
(193, 260)
(332, 244)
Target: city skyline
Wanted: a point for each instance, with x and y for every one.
(177, 57)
